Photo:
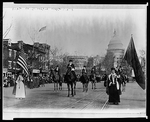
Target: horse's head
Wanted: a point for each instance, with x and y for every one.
(70, 75)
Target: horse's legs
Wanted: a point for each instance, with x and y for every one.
(57, 85)
(83, 87)
(72, 89)
(61, 86)
(86, 87)
(68, 89)
(54, 86)
(92, 84)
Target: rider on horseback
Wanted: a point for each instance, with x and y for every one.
(57, 70)
(70, 78)
(71, 65)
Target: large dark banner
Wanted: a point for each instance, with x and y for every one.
(132, 59)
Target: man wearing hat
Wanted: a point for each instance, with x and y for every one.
(71, 65)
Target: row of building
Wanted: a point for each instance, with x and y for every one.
(37, 56)
(38, 59)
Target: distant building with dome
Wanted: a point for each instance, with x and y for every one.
(116, 47)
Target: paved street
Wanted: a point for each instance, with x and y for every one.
(45, 99)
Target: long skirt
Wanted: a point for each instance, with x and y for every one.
(20, 90)
(113, 94)
(14, 89)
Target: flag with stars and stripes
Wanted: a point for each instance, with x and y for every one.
(21, 61)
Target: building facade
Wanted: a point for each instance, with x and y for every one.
(10, 52)
(37, 56)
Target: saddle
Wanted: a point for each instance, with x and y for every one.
(92, 77)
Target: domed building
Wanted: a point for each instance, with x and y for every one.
(116, 47)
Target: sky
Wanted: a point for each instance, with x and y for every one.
(77, 31)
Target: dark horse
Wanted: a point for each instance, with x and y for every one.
(70, 79)
(85, 81)
(56, 79)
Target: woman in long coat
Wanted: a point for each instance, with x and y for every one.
(113, 88)
(20, 88)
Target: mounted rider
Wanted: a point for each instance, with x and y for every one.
(84, 70)
(71, 65)
(57, 70)
(84, 73)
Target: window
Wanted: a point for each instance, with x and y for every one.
(10, 51)
(14, 65)
(42, 58)
(9, 64)
(39, 58)
(15, 54)
(9, 43)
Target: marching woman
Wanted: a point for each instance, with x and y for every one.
(113, 88)
(20, 88)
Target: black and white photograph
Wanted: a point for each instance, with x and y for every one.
(74, 61)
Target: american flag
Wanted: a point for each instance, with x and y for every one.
(21, 61)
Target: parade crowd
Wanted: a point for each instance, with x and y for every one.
(114, 82)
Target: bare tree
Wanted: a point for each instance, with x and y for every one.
(108, 62)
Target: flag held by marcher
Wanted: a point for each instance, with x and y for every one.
(132, 59)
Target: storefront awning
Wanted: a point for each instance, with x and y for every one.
(36, 71)
(44, 71)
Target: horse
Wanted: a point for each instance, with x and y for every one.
(93, 80)
(56, 79)
(60, 82)
(85, 81)
(70, 79)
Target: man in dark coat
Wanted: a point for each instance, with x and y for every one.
(113, 88)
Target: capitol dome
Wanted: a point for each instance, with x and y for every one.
(115, 43)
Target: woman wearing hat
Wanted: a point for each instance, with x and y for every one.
(113, 88)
